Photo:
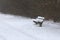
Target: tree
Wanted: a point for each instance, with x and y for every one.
(31, 8)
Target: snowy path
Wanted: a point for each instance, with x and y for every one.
(20, 28)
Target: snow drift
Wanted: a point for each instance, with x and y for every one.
(21, 28)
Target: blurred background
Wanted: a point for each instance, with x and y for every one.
(50, 9)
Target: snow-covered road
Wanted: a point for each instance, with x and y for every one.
(21, 28)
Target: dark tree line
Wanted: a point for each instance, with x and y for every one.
(50, 9)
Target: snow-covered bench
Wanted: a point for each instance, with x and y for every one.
(39, 20)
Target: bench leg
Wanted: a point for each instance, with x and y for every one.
(35, 22)
(40, 24)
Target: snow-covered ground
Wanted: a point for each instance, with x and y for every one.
(21, 28)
